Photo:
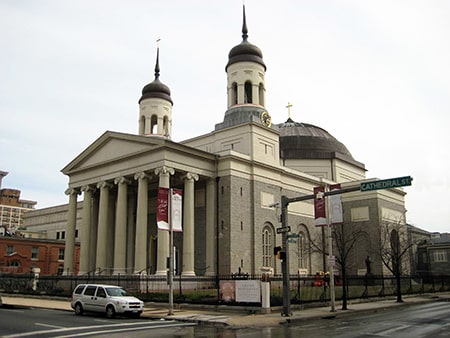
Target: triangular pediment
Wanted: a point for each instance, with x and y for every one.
(111, 147)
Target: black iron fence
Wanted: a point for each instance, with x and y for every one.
(206, 290)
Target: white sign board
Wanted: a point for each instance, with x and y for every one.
(248, 291)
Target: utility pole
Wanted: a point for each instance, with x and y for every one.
(285, 261)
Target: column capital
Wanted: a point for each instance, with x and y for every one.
(121, 179)
(86, 188)
(72, 191)
(141, 175)
(164, 171)
(103, 184)
(190, 176)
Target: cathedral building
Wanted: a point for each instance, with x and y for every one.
(231, 178)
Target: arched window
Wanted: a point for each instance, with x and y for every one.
(261, 94)
(154, 125)
(234, 96)
(267, 246)
(248, 92)
(166, 126)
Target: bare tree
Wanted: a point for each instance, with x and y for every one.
(394, 247)
(345, 237)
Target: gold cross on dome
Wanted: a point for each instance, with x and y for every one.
(289, 105)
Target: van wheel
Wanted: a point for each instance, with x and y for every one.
(78, 309)
(110, 312)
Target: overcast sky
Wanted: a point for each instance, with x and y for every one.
(375, 74)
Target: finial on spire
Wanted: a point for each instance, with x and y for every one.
(244, 24)
(157, 59)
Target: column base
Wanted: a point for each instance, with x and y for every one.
(188, 274)
(161, 273)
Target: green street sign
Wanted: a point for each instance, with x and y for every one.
(293, 236)
(386, 184)
(293, 241)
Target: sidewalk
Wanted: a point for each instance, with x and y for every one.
(237, 318)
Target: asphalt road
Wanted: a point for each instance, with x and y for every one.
(428, 320)
(35, 322)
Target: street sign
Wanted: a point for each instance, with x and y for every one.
(292, 241)
(283, 229)
(332, 261)
(294, 236)
(386, 184)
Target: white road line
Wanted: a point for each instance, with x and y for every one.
(28, 334)
(152, 327)
(48, 325)
(394, 329)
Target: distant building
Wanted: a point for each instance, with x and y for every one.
(434, 255)
(12, 209)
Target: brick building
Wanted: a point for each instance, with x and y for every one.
(20, 255)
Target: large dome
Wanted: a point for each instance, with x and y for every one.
(306, 141)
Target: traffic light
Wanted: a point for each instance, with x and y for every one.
(277, 251)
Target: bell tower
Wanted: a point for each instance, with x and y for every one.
(245, 72)
(246, 88)
(155, 107)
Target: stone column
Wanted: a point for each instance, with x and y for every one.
(211, 227)
(188, 225)
(163, 235)
(102, 232)
(131, 231)
(140, 255)
(120, 239)
(93, 232)
(69, 253)
(85, 228)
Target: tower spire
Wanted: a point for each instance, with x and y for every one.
(244, 25)
(157, 59)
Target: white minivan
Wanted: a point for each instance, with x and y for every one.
(109, 299)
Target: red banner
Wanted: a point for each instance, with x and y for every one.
(320, 215)
(162, 209)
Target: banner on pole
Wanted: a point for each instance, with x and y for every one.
(320, 218)
(162, 209)
(335, 206)
(176, 202)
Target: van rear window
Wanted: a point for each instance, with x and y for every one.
(79, 289)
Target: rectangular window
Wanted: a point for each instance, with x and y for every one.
(63, 234)
(61, 254)
(10, 249)
(440, 256)
(34, 252)
(58, 235)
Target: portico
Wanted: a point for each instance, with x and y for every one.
(118, 234)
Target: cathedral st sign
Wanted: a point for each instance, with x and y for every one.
(386, 184)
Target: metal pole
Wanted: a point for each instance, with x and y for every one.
(330, 255)
(170, 273)
(285, 261)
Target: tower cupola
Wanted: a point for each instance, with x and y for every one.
(245, 71)
(155, 107)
